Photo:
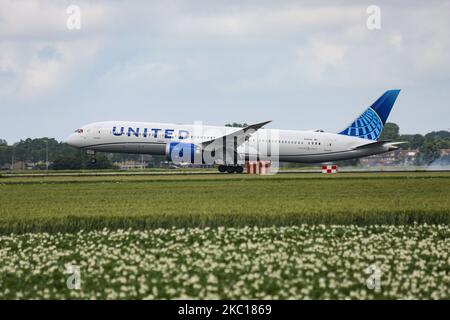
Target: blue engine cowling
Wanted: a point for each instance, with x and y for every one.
(179, 152)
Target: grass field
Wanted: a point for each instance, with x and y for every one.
(226, 236)
(68, 204)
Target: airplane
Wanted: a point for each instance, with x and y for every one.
(230, 147)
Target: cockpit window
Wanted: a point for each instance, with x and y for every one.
(79, 131)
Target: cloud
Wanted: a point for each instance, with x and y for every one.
(53, 65)
(34, 20)
(146, 75)
(240, 56)
(320, 59)
(230, 45)
(269, 21)
(401, 54)
(34, 70)
(38, 54)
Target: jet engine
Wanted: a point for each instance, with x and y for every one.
(179, 152)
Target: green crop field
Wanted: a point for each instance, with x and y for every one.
(226, 236)
(72, 203)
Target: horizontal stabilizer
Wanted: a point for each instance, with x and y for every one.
(380, 143)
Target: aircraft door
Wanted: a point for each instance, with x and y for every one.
(327, 145)
(97, 133)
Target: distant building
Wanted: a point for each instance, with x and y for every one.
(6, 166)
(18, 165)
(192, 165)
(27, 165)
(171, 165)
(131, 165)
(39, 165)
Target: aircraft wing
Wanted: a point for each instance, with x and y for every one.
(242, 134)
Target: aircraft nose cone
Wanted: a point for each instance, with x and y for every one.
(72, 140)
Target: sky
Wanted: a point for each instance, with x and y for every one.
(303, 64)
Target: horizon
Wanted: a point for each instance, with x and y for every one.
(62, 141)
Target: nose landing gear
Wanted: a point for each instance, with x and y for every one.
(91, 153)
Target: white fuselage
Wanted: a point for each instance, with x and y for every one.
(286, 145)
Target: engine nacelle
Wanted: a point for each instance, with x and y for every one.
(179, 152)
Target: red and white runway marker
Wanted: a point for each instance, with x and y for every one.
(258, 167)
(329, 169)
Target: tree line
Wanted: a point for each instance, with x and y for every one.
(429, 145)
(58, 155)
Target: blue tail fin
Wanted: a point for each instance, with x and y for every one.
(370, 124)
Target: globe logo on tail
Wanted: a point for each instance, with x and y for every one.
(367, 126)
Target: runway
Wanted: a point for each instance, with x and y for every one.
(215, 172)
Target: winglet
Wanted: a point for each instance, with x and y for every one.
(256, 126)
(240, 131)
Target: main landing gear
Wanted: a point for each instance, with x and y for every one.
(91, 153)
(231, 169)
